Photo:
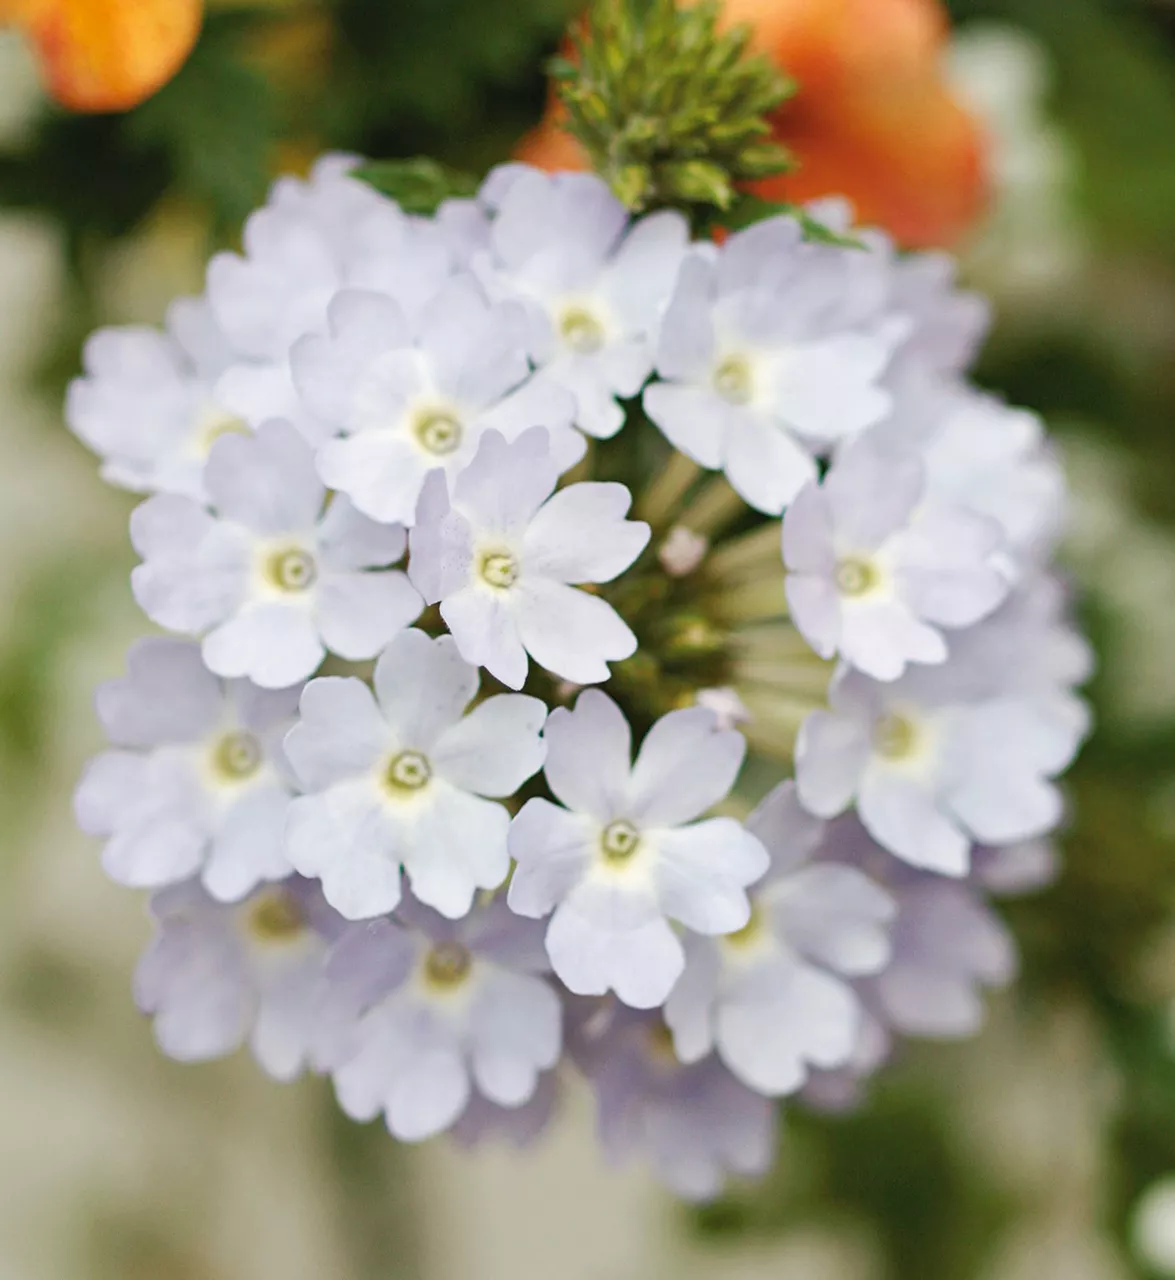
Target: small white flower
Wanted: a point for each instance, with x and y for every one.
(215, 975)
(411, 400)
(443, 1008)
(933, 768)
(625, 856)
(876, 571)
(758, 366)
(500, 553)
(594, 285)
(270, 579)
(766, 997)
(398, 780)
(197, 783)
(148, 403)
(693, 1123)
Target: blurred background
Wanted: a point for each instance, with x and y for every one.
(1036, 138)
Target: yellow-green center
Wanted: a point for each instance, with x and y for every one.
(214, 423)
(409, 771)
(581, 331)
(275, 916)
(438, 431)
(499, 569)
(749, 933)
(237, 756)
(732, 380)
(855, 576)
(619, 841)
(895, 737)
(447, 965)
(291, 570)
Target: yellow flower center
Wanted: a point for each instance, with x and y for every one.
(237, 756)
(619, 841)
(856, 577)
(581, 331)
(292, 570)
(275, 916)
(732, 380)
(499, 569)
(895, 737)
(750, 933)
(438, 431)
(214, 423)
(409, 771)
(447, 965)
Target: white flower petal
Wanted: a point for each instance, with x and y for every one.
(358, 613)
(686, 764)
(702, 874)
(494, 749)
(346, 838)
(272, 644)
(571, 633)
(486, 633)
(553, 849)
(456, 845)
(266, 481)
(831, 753)
(580, 535)
(640, 965)
(341, 732)
(589, 754)
(423, 685)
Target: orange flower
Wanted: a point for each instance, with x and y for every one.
(874, 118)
(106, 55)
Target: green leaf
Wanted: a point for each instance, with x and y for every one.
(417, 185)
(749, 209)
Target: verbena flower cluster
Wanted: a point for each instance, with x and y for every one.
(590, 647)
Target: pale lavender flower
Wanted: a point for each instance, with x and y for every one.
(759, 366)
(269, 577)
(148, 403)
(772, 1000)
(934, 764)
(413, 398)
(878, 571)
(400, 780)
(197, 783)
(593, 284)
(625, 856)
(442, 1009)
(217, 975)
(694, 1124)
(501, 552)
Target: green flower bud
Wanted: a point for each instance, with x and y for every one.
(670, 111)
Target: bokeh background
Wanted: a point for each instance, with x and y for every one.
(1044, 1149)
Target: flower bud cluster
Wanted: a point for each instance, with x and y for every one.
(589, 647)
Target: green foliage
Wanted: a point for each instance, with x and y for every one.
(417, 186)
